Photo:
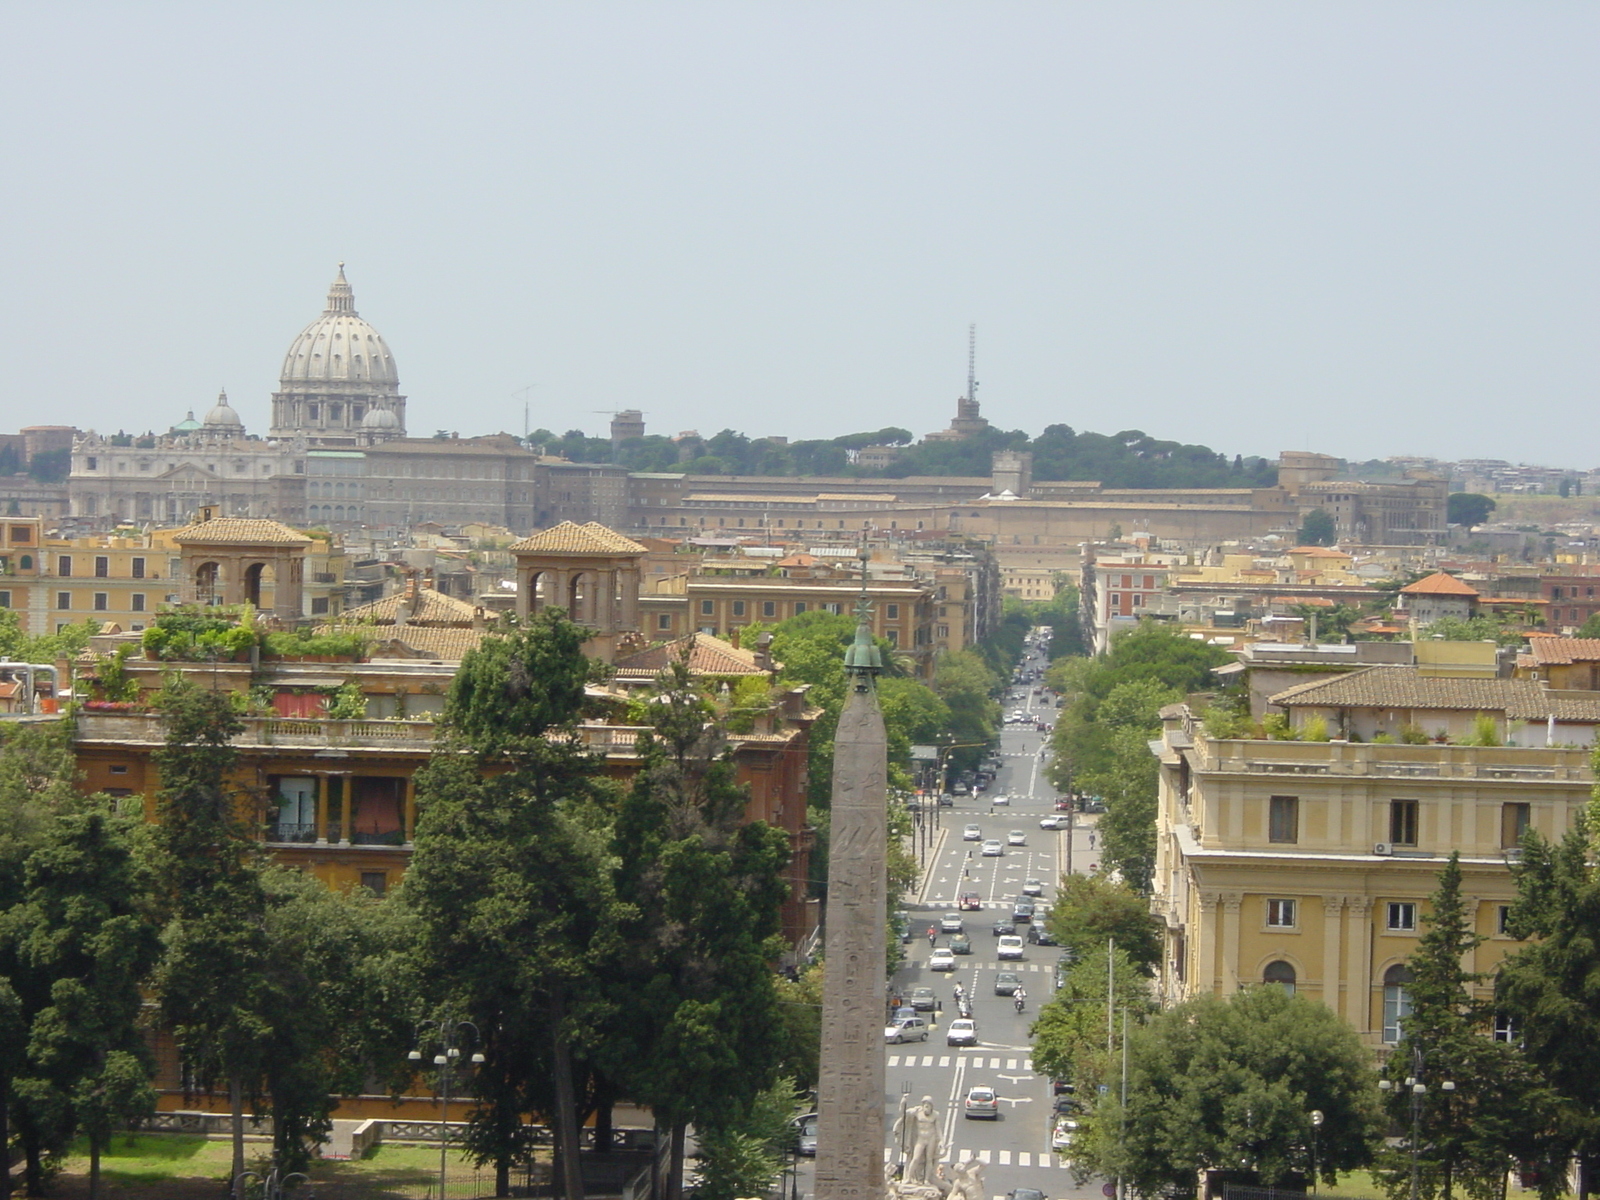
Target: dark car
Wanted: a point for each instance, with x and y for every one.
(960, 944)
(1004, 926)
(1039, 935)
(1006, 984)
(1022, 911)
(1026, 1194)
(922, 999)
(1094, 805)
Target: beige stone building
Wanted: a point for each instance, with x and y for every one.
(1310, 864)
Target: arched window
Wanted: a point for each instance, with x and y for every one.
(25, 563)
(1396, 1001)
(1280, 973)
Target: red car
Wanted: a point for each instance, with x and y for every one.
(970, 901)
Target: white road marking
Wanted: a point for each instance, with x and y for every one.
(1005, 1158)
(1024, 1159)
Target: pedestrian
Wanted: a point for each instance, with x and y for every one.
(1091, 839)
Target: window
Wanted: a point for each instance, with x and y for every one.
(21, 535)
(63, 599)
(1513, 823)
(102, 566)
(799, 607)
(1280, 973)
(5, 599)
(138, 568)
(1280, 914)
(706, 608)
(1283, 819)
(63, 565)
(891, 612)
(738, 608)
(319, 606)
(136, 602)
(102, 601)
(664, 621)
(1502, 920)
(1396, 1001)
(1504, 1030)
(894, 637)
(769, 608)
(376, 882)
(1403, 822)
(25, 562)
(1402, 916)
(91, 463)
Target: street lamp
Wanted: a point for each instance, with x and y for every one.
(1316, 1124)
(446, 1060)
(1417, 1090)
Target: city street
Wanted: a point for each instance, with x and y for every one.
(1014, 1148)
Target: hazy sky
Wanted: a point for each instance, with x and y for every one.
(1361, 228)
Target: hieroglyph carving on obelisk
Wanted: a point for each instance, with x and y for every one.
(850, 1087)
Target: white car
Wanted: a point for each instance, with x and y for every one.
(962, 1032)
(1002, 798)
(1066, 1128)
(1053, 821)
(906, 1029)
(981, 1103)
(972, 833)
(993, 849)
(1010, 946)
(944, 959)
(1033, 887)
(952, 923)
(1016, 838)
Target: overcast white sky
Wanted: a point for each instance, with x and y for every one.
(1361, 228)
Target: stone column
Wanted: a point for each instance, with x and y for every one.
(345, 807)
(1229, 967)
(1332, 920)
(1358, 962)
(1205, 935)
(850, 1088)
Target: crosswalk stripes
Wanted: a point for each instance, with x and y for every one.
(996, 1158)
(974, 1061)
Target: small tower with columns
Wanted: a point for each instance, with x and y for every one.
(589, 570)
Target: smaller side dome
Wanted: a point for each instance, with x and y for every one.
(380, 418)
(187, 425)
(223, 415)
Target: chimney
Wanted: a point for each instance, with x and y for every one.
(733, 638)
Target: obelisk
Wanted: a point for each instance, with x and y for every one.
(850, 1087)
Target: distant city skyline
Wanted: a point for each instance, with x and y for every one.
(1359, 229)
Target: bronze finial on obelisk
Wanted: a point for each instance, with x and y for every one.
(850, 1086)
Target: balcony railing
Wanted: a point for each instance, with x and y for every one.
(1432, 761)
(319, 732)
(284, 831)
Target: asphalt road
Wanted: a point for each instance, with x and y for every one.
(1015, 1148)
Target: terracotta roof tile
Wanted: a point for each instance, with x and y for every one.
(431, 608)
(1406, 687)
(572, 538)
(1438, 584)
(707, 656)
(239, 531)
(1563, 651)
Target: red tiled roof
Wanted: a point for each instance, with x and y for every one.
(1563, 651)
(1438, 584)
(707, 656)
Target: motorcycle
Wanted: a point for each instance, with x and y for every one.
(1018, 1002)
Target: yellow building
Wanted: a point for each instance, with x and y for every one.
(123, 580)
(1310, 864)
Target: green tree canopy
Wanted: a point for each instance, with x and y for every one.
(1469, 509)
(1089, 910)
(1229, 1083)
(1318, 529)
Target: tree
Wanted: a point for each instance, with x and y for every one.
(1498, 1109)
(1070, 1037)
(1469, 508)
(208, 867)
(1227, 1084)
(1318, 529)
(703, 892)
(1546, 989)
(1089, 910)
(510, 883)
(85, 940)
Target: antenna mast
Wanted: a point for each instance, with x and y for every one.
(972, 361)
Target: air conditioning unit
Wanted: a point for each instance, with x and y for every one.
(1383, 848)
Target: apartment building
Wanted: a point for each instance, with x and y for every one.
(1310, 864)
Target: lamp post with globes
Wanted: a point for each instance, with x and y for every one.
(1316, 1128)
(1417, 1090)
(447, 1060)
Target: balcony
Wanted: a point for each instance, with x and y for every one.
(1371, 759)
(325, 733)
